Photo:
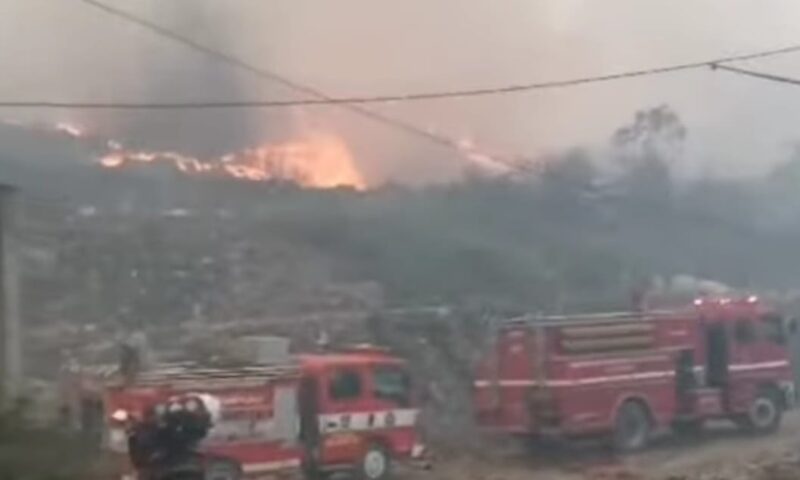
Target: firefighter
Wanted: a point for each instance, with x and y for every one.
(162, 445)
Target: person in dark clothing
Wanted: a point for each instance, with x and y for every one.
(163, 444)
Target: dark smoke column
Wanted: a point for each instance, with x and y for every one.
(171, 72)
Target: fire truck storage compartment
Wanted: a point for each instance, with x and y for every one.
(607, 337)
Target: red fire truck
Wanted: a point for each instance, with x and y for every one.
(348, 410)
(627, 375)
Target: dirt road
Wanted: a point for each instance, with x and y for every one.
(720, 452)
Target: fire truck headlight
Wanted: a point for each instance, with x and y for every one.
(120, 415)
(417, 451)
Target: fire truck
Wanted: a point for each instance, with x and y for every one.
(349, 410)
(624, 376)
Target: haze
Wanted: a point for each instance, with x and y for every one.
(67, 51)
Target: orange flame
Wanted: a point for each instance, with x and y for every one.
(319, 160)
(70, 129)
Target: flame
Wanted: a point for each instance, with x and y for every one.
(70, 129)
(66, 128)
(493, 163)
(316, 160)
(319, 160)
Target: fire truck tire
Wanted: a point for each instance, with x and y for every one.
(376, 464)
(764, 415)
(631, 427)
(221, 469)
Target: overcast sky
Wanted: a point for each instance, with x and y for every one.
(65, 50)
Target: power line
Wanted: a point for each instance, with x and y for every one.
(273, 76)
(760, 75)
(327, 100)
(387, 120)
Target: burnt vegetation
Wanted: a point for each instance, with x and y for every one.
(151, 246)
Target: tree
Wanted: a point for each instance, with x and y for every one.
(568, 176)
(647, 149)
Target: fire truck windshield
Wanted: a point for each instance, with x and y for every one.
(392, 384)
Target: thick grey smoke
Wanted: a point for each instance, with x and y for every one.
(65, 50)
(169, 73)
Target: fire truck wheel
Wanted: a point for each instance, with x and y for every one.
(764, 414)
(631, 427)
(376, 464)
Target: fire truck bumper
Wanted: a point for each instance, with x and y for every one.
(420, 458)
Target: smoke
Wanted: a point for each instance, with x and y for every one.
(168, 74)
(65, 50)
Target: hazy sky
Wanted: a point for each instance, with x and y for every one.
(62, 49)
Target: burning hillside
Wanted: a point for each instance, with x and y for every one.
(318, 160)
(315, 159)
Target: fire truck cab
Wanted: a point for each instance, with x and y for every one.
(626, 375)
(350, 410)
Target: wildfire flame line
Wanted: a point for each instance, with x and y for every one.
(317, 159)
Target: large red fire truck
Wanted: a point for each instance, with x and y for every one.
(349, 410)
(627, 375)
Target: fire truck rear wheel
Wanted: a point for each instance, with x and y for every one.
(631, 427)
(764, 414)
(376, 464)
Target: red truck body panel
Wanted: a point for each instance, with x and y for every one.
(264, 408)
(568, 376)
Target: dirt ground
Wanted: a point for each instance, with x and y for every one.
(720, 452)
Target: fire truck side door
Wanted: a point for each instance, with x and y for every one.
(344, 402)
(309, 417)
(717, 355)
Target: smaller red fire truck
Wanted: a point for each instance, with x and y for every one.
(349, 410)
(626, 375)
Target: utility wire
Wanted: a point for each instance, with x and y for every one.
(273, 76)
(761, 75)
(353, 104)
(323, 99)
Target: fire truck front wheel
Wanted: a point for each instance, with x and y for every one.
(376, 464)
(631, 427)
(764, 414)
